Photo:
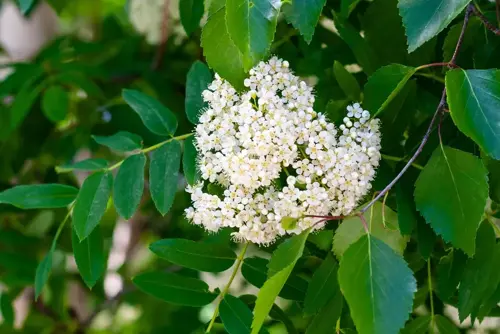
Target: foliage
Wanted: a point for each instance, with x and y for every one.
(94, 133)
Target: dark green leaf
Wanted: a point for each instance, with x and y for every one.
(84, 165)
(347, 6)
(426, 238)
(449, 273)
(198, 79)
(39, 196)
(189, 162)
(418, 325)
(6, 309)
(425, 19)
(384, 85)
(352, 229)
(444, 325)
(235, 315)
(175, 289)
(327, 317)
(163, 175)
(254, 270)
(43, 272)
(89, 256)
(155, 116)
(191, 12)
(121, 141)
(219, 50)
(26, 5)
(323, 286)
(346, 81)
(374, 279)
(453, 206)
(493, 167)
(407, 215)
(288, 252)
(304, 15)
(251, 24)
(55, 103)
(129, 185)
(474, 101)
(195, 255)
(91, 203)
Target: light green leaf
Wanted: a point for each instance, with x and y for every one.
(219, 50)
(163, 175)
(43, 272)
(374, 279)
(384, 85)
(235, 315)
(83, 165)
(91, 203)
(155, 116)
(121, 141)
(425, 19)
(280, 267)
(191, 12)
(174, 288)
(129, 185)
(189, 162)
(323, 286)
(347, 82)
(418, 325)
(304, 15)
(7, 309)
(195, 255)
(453, 206)
(89, 256)
(251, 25)
(327, 317)
(352, 229)
(198, 79)
(474, 101)
(39, 196)
(444, 325)
(55, 103)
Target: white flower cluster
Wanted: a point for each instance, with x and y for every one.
(273, 157)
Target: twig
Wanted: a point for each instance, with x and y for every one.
(158, 60)
(441, 105)
(363, 220)
(485, 21)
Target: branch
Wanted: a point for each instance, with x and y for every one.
(485, 21)
(164, 38)
(441, 105)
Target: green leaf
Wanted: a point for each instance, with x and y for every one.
(304, 16)
(425, 19)
(347, 6)
(163, 175)
(195, 255)
(26, 6)
(43, 272)
(444, 325)
(174, 288)
(384, 85)
(426, 238)
(55, 103)
(254, 269)
(251, 25)
(83, 165)
(326, 319)
(418, 325)
(7, 309)
(449, 273)
(347, 82)
(374, 279)
(235, 315)
(219, 50)
(91, 203)
(493, 167)
(280, 268)
(407, 215)
(129, 185)
(474, 101)
(155, 116)
(121, 141)
(323, 286)
(198, 79)
(89, 256)
(480, 276)
(39, 196)
(352, 229)
(189, 162)
(191, 12)
(453, 206)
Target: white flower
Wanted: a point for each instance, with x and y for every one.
(275, 157)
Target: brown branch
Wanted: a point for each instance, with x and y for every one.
(160, 52)
(485, 21)
(441, 105)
